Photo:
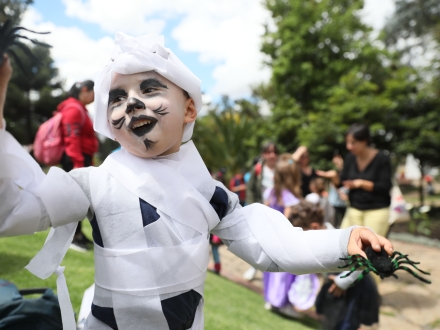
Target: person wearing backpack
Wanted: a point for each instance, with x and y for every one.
(80, 142)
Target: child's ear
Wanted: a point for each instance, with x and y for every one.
(190, 111)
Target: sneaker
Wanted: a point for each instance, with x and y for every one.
(268, 306)
(250, 274)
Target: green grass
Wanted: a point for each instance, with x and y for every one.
(227, 305)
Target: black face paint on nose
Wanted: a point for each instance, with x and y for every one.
(134, 104)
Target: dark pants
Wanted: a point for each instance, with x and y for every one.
(67, 165)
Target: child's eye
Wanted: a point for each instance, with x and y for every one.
(149, 90)
(117, 99)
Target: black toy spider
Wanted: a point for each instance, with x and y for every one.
(9, 37)
(382, 264)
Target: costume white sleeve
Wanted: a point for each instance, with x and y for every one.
(31, 200)
(346, 282)
(265, 239)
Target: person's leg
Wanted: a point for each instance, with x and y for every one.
(377, 220)
(353, 217)
(216, 257)
(339, 215)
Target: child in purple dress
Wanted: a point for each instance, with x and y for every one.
(286, 293)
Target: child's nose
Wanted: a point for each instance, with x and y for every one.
(134, 104)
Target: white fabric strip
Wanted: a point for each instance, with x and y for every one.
(156, 181)
(153, 271)
(289, 247)
(345, 282)
(67, 315)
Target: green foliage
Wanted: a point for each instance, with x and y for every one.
(229, 136)
(23, 115)
(329, 72)
(13, 9)
(414, 19)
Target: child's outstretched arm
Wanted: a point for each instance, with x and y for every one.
(265, 239)
(32, 201)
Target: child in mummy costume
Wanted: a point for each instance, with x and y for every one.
(152, 204)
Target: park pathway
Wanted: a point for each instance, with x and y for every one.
(407, 303)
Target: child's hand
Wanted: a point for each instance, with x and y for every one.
(362, 237)
(5, 72)
(336, 290)
(5, 75)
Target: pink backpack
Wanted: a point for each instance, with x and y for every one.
(49, 140)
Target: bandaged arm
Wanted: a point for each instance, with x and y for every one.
(345, 282)
(30, 200)
(264, 238)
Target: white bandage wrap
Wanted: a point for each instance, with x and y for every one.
(292, 249)
(345, 282)
(140, 54)
(63, 198)
(153, 271)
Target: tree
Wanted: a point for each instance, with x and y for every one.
(230, 135)
(328, 73)
(23, 114)
(417, 23)
(13, 9)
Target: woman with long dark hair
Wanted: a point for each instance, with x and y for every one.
(79, 139)
(366, 173)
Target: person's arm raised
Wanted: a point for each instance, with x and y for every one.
(5, 76)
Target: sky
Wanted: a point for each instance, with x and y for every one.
(218, 40)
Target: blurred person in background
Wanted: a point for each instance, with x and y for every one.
(285, 194)
(238, 185)
(366, 173)
(302, 157)
(79, 140)
(318, 196)
(262, 176)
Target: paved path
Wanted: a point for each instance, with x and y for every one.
(407, 303)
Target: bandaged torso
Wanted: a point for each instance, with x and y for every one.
(151, 251)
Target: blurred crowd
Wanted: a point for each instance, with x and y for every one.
(355, 192)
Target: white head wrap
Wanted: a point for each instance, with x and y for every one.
(140, 54)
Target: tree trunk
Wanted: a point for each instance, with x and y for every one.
(28, 119)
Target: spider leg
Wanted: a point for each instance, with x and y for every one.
(406, 262)
(351, 260)
(352, 269)
(26, 50)
(396, 253)
(18, 28)
(414, 274)
(4, 30)
(362, 275)
(34, 41)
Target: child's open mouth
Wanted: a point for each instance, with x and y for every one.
(142, 125)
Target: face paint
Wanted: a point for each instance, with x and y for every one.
(118, 122)
(149, 144)
(142, 125)
(147, 113)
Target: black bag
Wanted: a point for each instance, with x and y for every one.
(17, 312)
